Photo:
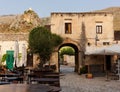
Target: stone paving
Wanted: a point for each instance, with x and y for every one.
(72, 82)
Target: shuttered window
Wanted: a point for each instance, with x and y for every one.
(99, 29)
(116, 35)
(68, 28)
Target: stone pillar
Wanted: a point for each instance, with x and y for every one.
(54, 60)
(80, 61)
(36, 60)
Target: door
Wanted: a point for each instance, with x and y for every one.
(10, 59)
(30, 59)
(108, 62)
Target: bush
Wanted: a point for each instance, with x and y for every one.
(4, 58)
(84, 70)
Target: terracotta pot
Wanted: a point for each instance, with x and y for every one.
(89, 75)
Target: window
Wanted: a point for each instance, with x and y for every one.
(116, 35)
(106, 43)
(99, 29)
(68, 28)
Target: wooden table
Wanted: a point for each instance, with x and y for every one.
(28, 88)
(50, 81)
(51, 75)
(4, 82)
(45, 79)
(9, 75)
(12, 79)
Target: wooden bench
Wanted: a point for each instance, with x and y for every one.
(4, 82)
(42, 74)
(9, 75)
(50, 81)
(45, 77)
(51, 76)
(14, 79)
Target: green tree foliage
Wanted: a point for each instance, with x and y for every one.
(67, 51)
(42, 41)
(4, 57)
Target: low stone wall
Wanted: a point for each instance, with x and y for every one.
(14, 36)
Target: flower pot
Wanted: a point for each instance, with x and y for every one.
(89, 75)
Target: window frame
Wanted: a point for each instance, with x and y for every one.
(106, 43)
(117, 35)
(99, 29)
(68, 28)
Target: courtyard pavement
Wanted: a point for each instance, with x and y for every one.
(72, 82)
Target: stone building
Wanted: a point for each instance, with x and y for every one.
(16, 28)
(84, 31)
(87, 31)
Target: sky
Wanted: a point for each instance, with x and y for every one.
(44, 7)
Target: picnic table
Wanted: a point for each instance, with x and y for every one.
(4, 82)
(28, 88)
(51, 75)
(45, 79)
(50, 81)
(9, 75)
(14, 79)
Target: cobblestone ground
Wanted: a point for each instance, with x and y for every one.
(72, 82)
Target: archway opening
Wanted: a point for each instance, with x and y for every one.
(68, 57)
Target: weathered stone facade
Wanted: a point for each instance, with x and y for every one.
(7, 42)
(90, 21)
(16, 28)
(83, 31)
(94, 29)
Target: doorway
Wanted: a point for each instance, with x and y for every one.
(108, 62)
(30, 59)
(68, 53)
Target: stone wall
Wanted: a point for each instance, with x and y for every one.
(58, 21)
(70, 60)
(87, 22)
(7, 42)
(14, 36)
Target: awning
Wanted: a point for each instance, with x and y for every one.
(109, 50)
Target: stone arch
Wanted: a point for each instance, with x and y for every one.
(76, 54)
(75, 46)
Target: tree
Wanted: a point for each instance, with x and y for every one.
(42, 41)
(83, 41)
(67, 50)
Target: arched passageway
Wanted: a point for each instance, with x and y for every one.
(76, 58)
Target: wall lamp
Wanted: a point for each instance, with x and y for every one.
(96, 39)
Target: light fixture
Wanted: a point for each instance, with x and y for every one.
(96, 39)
